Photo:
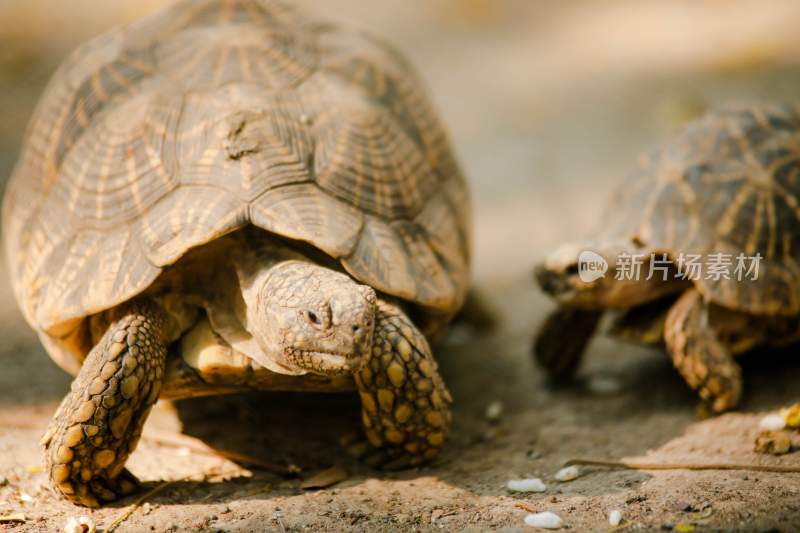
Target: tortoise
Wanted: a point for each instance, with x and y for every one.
(232, 195)
(723, 194)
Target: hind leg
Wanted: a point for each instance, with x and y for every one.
(99, 423)
(704, 361)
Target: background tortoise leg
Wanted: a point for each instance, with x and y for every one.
(99, 423)
(562, 339)
(405, 404)
(703, 360)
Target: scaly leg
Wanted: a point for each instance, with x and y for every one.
(99, 423)
(405, 404)
(563, 337)
(703, 360)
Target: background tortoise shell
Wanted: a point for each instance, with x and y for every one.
(212, 115)
(727, 183)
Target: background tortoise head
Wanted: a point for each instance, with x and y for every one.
(311, 318)
(559, 275)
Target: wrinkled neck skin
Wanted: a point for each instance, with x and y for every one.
(303, 316)
(559, 275)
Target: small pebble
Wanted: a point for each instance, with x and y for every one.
(603, 385)
(526, 485)
(772, 422)
(494, 411)
(545, 520)
(614, 518)
(82, 524)
(567, 474)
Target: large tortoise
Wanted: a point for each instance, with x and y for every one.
(231, 195)
(723, 195)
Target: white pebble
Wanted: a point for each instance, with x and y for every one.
(82, 524)
(604, 385)
(494, 411)
(772, 422)
(567, 474)
(526, 485)
(614, 518)
(545, 520)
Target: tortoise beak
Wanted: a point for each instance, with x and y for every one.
(555, 284)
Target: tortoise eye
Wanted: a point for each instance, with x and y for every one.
(313, 318)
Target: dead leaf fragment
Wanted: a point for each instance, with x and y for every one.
(792, 416)
(774, 442)
(326, 478)
(11, 518)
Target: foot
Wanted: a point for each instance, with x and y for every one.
(99, 423)
(405, 404)
(562, 339)
(703, 360)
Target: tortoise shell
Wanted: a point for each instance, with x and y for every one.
(728, 183)
(213, 115)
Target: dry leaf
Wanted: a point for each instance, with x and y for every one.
(9, 518)
(792, 415)
(326, 478)
(773, 442)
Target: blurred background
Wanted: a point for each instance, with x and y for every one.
(547, 104)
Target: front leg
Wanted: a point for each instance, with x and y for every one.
(99, 422)
(562, 339)
(405, 404)
(702, 359)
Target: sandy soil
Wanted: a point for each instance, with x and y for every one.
(547, 105)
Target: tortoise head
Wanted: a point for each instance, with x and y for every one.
(588, 275)
(311, 318)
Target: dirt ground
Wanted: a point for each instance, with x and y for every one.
(547, 104)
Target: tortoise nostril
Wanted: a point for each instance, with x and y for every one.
(313, 318)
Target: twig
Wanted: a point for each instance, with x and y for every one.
(624, 525)
(130, 510)
(632, 465)
(198, 446)
(135, 505)
(525, 507)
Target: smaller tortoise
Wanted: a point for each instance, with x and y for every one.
(712, 219)
(230, 195)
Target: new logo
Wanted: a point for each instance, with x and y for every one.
(591, 266)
